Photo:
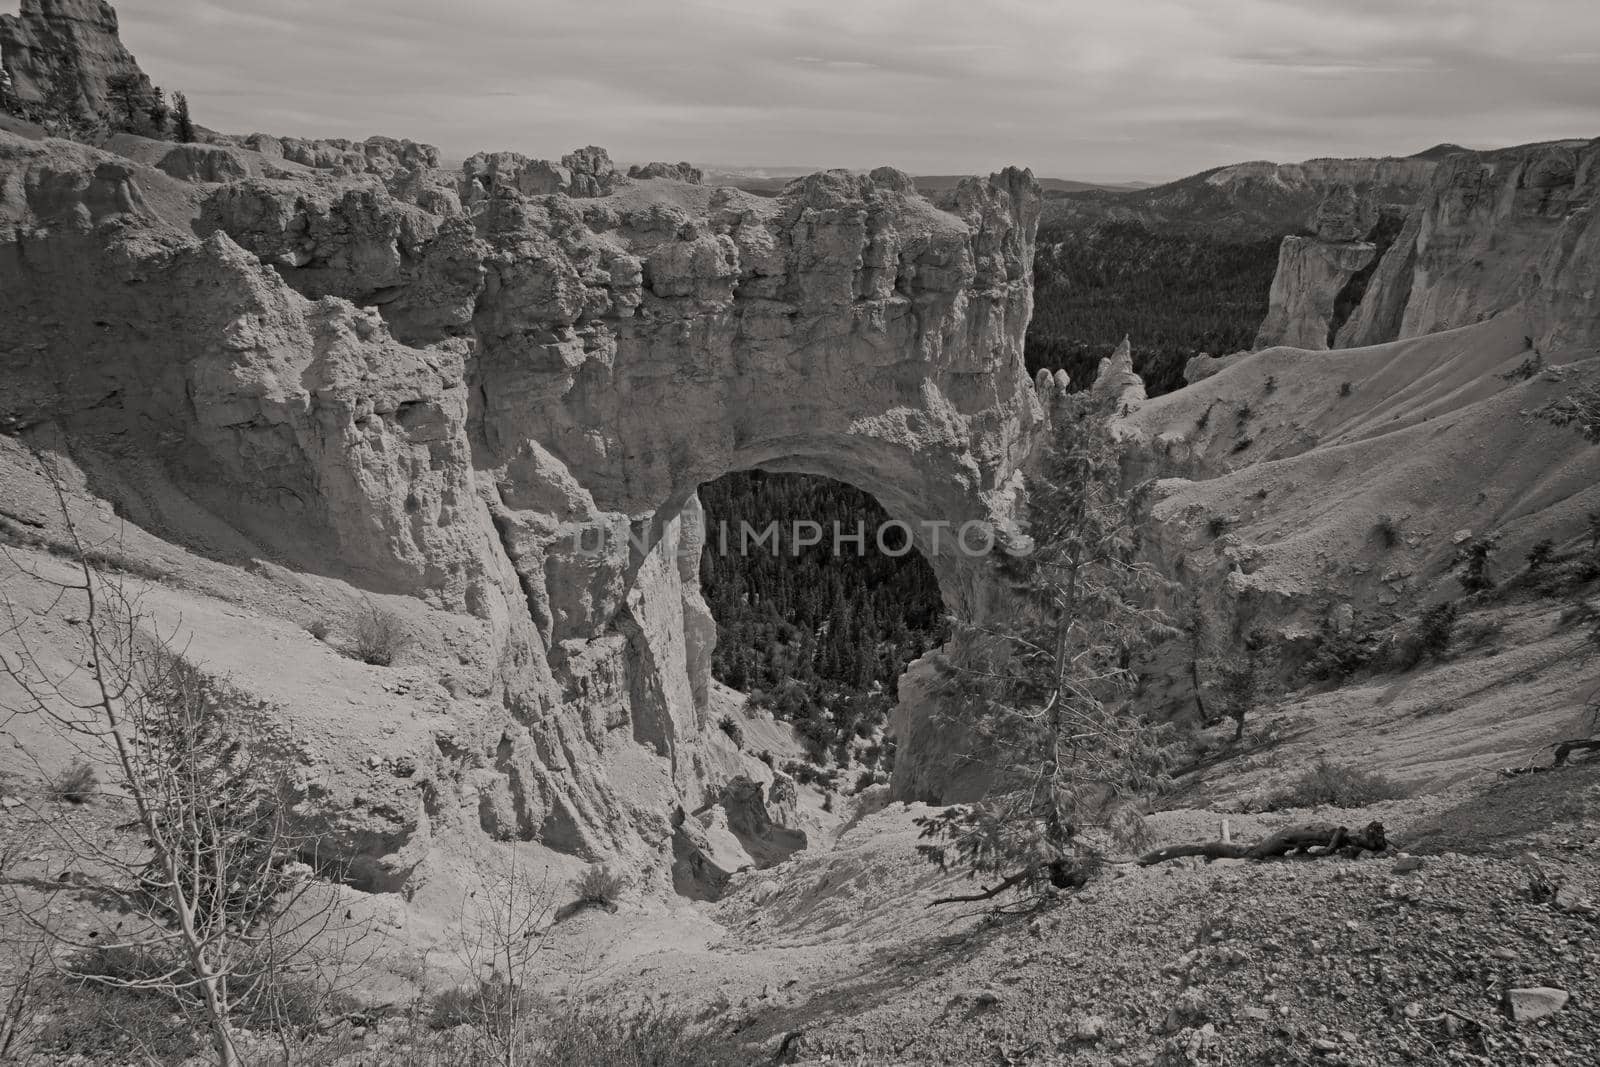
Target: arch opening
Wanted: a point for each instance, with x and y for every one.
(821, 601)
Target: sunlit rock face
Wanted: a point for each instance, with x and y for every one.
(1312, 271)
(1492, 232)
(1495, 230)
(62, 54)
(499, 400)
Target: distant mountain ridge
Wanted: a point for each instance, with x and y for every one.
(1252, 200)
(770, 181)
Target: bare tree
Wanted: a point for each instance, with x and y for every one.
(505, 920)
(218, 911)
(27, 959)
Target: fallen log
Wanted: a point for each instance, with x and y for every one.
(1325, 838)
(1564, 749)
(1567, 748)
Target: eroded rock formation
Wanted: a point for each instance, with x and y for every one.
(1313, 271)
(1495, 231)
(503, 410)
(62, 54)
(678, 172)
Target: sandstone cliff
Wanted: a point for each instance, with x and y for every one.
(490, 408)
(1313, 271)
(1494, 231)
(61, 54)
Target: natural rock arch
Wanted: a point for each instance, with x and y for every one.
(525, 369)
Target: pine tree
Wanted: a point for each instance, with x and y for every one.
(1239, 684)
(183, 125)
(1197, 626)
(157, 111)
(128, 98)
(1048, 687)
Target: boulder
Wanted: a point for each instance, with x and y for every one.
(677, 172)
(204, 163)
(1527, 1005)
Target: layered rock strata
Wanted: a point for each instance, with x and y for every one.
(498, 400)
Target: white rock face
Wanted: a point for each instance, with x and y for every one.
(1116, 377)
(1310, 274)
(504, 410)
(67, 50)
(1496, 231)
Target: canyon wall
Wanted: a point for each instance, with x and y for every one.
(1313, 271)
(62, 54)
(1495, 231)
(496, 401)
(1516, 227)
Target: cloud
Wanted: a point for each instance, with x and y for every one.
(1073, 88)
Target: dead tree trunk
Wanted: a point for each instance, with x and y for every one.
(1567, 748)
(1325, 838)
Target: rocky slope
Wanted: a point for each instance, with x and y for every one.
(487, 399)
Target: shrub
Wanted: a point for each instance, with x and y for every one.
(1243, 443)
(1339, 655)
(120, 964)
(1388, 530)
(1217, 525)
(1479, 632)
(1579, 409)
(1540, 554)
(1474, 560)
(728, 725)
(76, 784)
(1435, 630)
(599, 887)
(1431, 637)
(1338, 785)
(1243, 414)
(1271, 385)
(1530, 366)
(766, 757)
(380, 637)
(478, 1005)
(588, 1037)
(1346, 388)
(1205, 417)
(110, 1025)
(320, 628)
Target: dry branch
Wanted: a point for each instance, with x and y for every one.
(1312, 839)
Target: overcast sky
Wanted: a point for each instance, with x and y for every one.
(1113, 89)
